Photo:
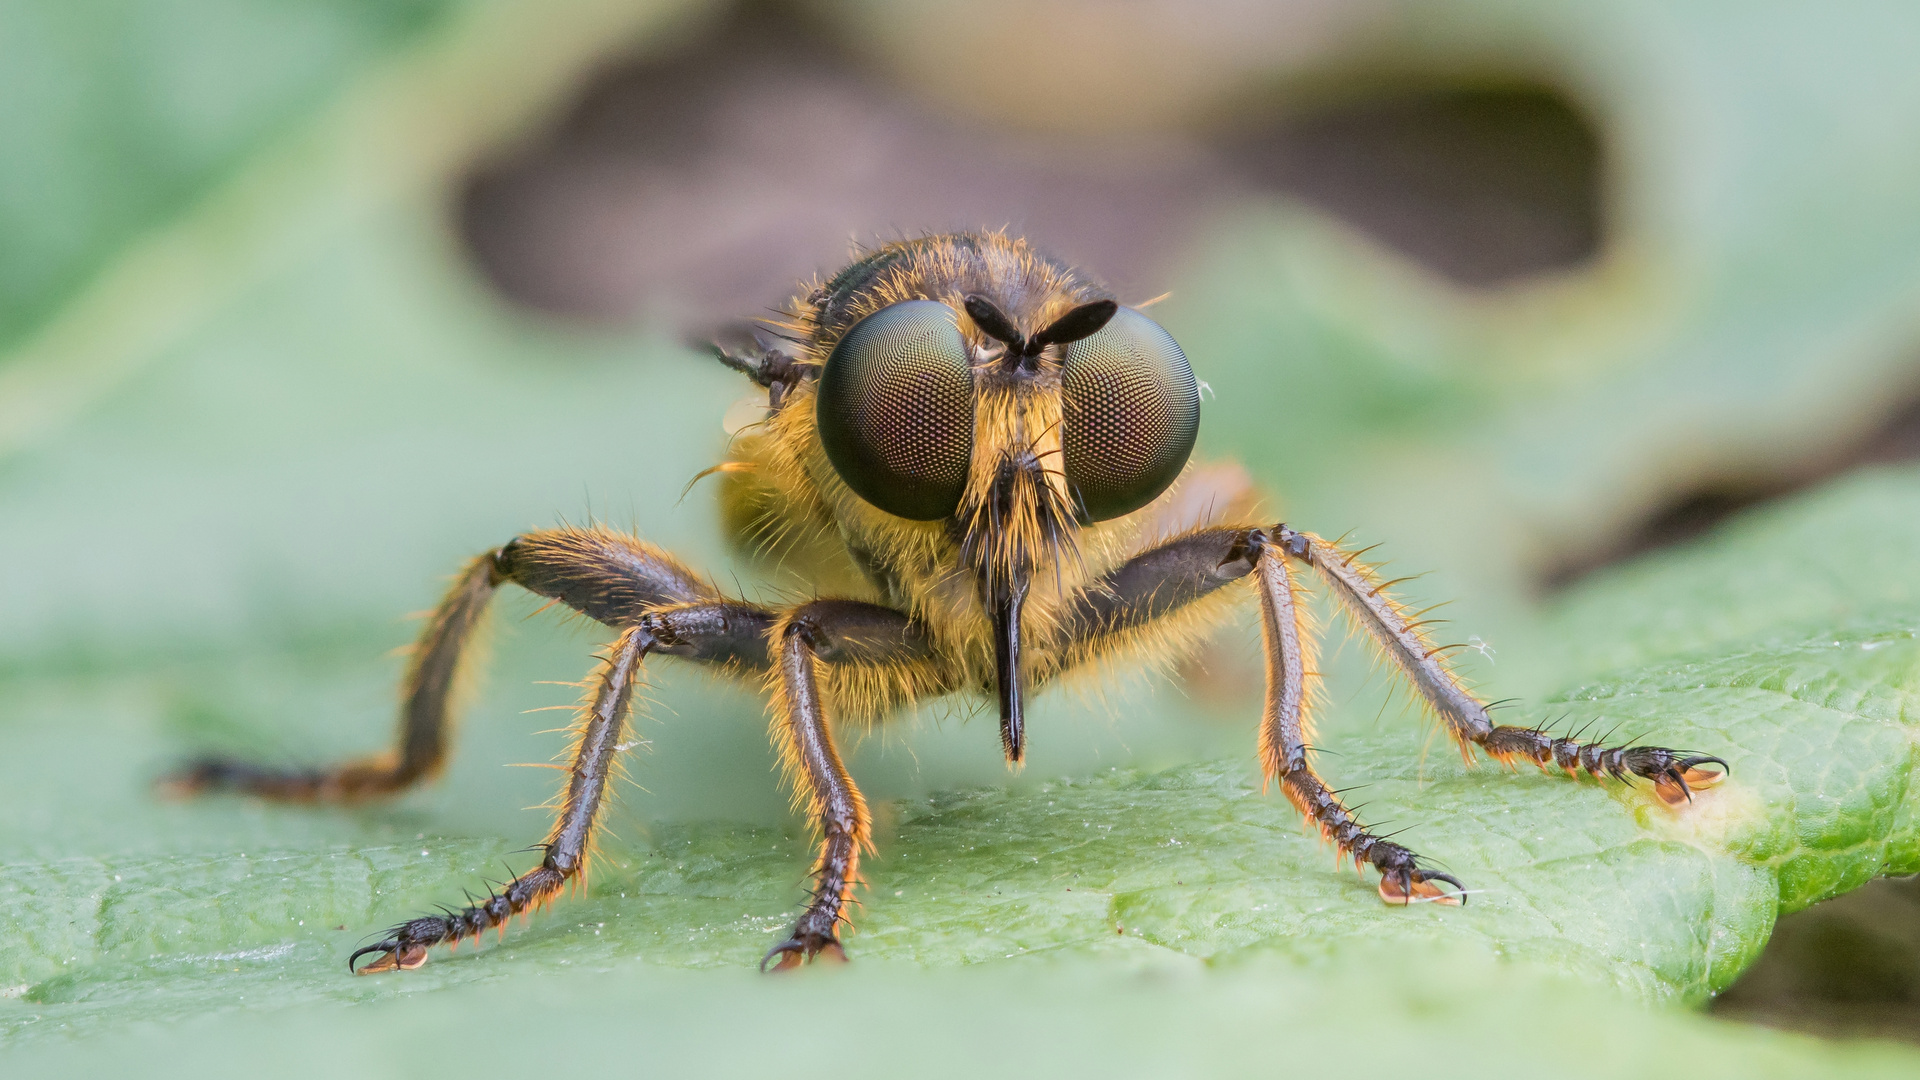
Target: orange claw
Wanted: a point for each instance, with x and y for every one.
(1677, 790)
(797, 955)
(1426, 892)
(406, 958)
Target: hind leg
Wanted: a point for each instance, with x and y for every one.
(1675, 774)
(615, 579)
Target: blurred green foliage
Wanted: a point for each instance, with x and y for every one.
(119, 114)
(211, 532)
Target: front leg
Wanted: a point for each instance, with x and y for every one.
(1675, 774)
(858, 638)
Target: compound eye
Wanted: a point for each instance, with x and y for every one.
(1132, 411)
(895, 410)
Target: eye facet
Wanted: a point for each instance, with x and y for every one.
(895, 410)
(1132, 411)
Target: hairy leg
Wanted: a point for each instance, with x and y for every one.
(855, 642)
(422, 737)
(601, 726)
(810, 637)
(1139, 596)
(1402, 636)
(1284, 729)
(1160, 585)
(615, 579)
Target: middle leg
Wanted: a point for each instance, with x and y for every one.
(1151, 595)
(1284, 730)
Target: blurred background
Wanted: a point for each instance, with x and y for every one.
(303, 302)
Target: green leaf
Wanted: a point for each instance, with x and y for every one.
(1792, 637)
(1443, 1014)
(1827, 559)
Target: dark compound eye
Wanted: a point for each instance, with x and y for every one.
(1132, 410)
(895, 410)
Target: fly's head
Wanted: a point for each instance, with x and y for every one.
(1007, 405)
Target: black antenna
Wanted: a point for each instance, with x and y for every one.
(1083, 321)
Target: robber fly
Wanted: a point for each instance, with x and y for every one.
(986, 456)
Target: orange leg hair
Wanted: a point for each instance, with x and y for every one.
(1162, 582)
(849, 634)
